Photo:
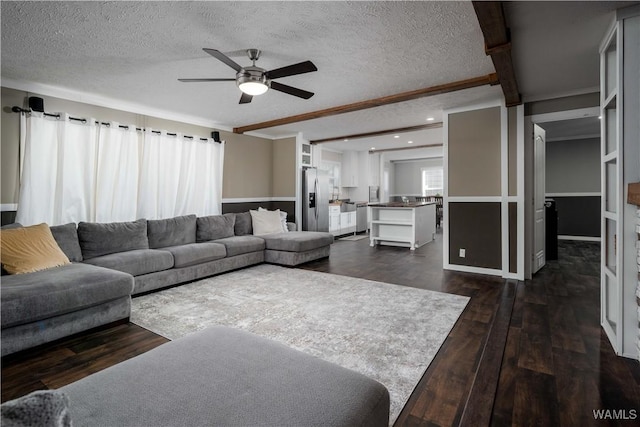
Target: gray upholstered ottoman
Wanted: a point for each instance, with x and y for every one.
(296, 247)
(221, 377)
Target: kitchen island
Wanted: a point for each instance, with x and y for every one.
(402, 224)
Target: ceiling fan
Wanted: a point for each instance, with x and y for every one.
(254, 80)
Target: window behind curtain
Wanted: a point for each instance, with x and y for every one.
(432, 181)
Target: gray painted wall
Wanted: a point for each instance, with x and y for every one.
(573, 166)
(407, 179)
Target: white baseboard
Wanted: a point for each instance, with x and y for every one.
(580, 238)
(470, 269)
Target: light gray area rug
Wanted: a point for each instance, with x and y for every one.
(387, 332)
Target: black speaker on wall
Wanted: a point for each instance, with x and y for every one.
(36, 104)
(216, 136)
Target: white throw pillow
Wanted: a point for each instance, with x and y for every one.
(266, 222)
(283, 219)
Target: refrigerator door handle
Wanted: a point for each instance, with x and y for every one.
(315, 189)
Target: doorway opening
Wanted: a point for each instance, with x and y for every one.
(566, 182)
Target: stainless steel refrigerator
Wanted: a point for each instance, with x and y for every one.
(315, 200)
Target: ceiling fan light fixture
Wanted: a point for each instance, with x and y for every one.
(253, 88)
(252, 81)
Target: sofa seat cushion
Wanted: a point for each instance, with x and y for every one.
(196, 253)
(35, 296)
(297, 241)
(137, 262)
(227, 377)
(238, 245)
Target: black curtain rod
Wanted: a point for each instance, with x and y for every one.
(17, 109)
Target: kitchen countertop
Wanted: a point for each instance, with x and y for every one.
(401, 204)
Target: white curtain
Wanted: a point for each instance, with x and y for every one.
(58, 170)
(117, 175)
(79, 171)
(179, 175)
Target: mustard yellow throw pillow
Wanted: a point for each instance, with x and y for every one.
(29, 249)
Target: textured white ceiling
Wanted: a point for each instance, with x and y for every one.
(134, 52)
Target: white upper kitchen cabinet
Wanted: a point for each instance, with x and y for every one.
(350, 170)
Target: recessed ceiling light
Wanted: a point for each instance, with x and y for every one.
(409, 142)
(430, 119)
(396, 136)
(346, 140)
(599, 117)
(373, 148)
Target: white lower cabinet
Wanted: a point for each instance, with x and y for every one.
(347, 222)
(341, 222)
(334, 220)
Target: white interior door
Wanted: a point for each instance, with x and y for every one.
(539, 240)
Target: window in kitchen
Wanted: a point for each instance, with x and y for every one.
(432, 181)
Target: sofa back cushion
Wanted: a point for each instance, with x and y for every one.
(97, 239)
(243, 225)
(215, 227)
(67, 238)
(180, 230)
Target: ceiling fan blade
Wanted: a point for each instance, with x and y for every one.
(206, 80)
(245, 98)
(224, 58)
(292, 70)
(291, 90)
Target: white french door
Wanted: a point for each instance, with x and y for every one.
(611, 179)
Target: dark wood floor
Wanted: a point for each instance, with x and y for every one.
(522, 353)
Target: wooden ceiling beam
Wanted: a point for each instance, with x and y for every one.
(497, 42)
(490, 79)
(433, 125)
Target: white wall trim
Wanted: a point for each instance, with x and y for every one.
(258, 199)
(470, 269)
(103, 101)
(574, 138)
(504, 187)
(475, 199)
(579, 238)
(445, 196)
(556, 116)
(520, 198)
(584, 194)
(4, 207)
(508, 275)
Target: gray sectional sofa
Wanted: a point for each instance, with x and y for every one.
(111, 262)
